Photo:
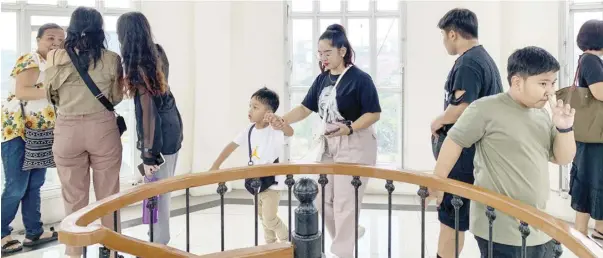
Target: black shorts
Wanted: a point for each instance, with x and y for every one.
(462, 171)
(546, 250)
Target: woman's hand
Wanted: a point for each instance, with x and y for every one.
(343, 130)
(150, 170)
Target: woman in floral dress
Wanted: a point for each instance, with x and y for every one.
(23, 187)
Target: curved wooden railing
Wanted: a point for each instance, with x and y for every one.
(76, 229)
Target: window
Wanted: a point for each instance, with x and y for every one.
(373, 30)
(39, 12)
(580, 12)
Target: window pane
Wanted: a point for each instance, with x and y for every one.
(41, 20)
(330, 5)
(359, 36)
(358, 5)
(89, 3)
(48, 2)
(579, 19)
(8, 49)
(111, 33)
(301, 142)
(388, 129)
(387, 5)
(303, 61)
(324, 23)
(118, 3)
(301, 6)
(388, 53)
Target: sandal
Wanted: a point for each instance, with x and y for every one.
(7, 250)
(597, 237)
(36, 240)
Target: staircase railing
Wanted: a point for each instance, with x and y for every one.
(77, 230)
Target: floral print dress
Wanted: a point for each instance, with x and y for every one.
(40, 114)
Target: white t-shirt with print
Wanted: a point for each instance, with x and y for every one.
(266, 146)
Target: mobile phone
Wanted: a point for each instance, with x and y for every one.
(160, 162)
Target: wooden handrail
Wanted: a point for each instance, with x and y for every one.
(77, 231)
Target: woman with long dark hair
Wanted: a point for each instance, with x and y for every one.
(86, 133)
(346, 99)
(26, 106)
(158, 122)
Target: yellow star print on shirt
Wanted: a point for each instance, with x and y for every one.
(255, 153)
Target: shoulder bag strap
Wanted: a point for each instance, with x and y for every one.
(249, 145)
(91, 85)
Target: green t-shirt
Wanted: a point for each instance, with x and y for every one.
(513, 147)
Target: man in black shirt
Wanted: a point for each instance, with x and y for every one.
(474, 75)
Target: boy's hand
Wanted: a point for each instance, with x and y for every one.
(563, 115)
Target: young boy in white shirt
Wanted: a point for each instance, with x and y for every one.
(263, 143)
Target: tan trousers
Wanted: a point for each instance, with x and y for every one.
(274, 228)
(80, 143)
(358, 148)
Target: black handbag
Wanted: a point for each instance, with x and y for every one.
(121, 122)
(38, 146)
(266, 181)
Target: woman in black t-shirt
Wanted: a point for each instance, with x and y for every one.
(346, 99)
(586, 179)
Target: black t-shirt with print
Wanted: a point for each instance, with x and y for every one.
(591, 70)
(476, 73)
(356, 95)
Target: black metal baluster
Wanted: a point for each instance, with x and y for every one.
(222, 189)
(85, 251)
(289, 182)
(456, 203)
(104, 252)
(525, 231)
(491, 214)
(256, 184)
(323, 181)
(151, 206)
(115, 229)
(389, 185)
(558, 249)
(423, 193)
(356, 183)
(188, 221)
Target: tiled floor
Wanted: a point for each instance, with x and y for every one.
(239, 228)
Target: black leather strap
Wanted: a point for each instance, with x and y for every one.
(249, 145)
(91, 85)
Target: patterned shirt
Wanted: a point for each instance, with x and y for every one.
(39, 113)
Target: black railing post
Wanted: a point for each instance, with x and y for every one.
(356, 183)
(456, 203)
(289, 182)
(256, 184)
(323, 181)
(306, 239)
(222, 189)
(423, 193)
(389, 185)
(188, 220)
(491, 214)
(524, 228)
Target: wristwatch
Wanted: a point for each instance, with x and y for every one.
(567, 130)
(351, 129)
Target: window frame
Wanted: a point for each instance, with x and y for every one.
(24, 11)
(373, 14)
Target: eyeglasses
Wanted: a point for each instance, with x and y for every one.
(324, 54)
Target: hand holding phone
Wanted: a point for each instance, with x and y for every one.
(331, 129)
